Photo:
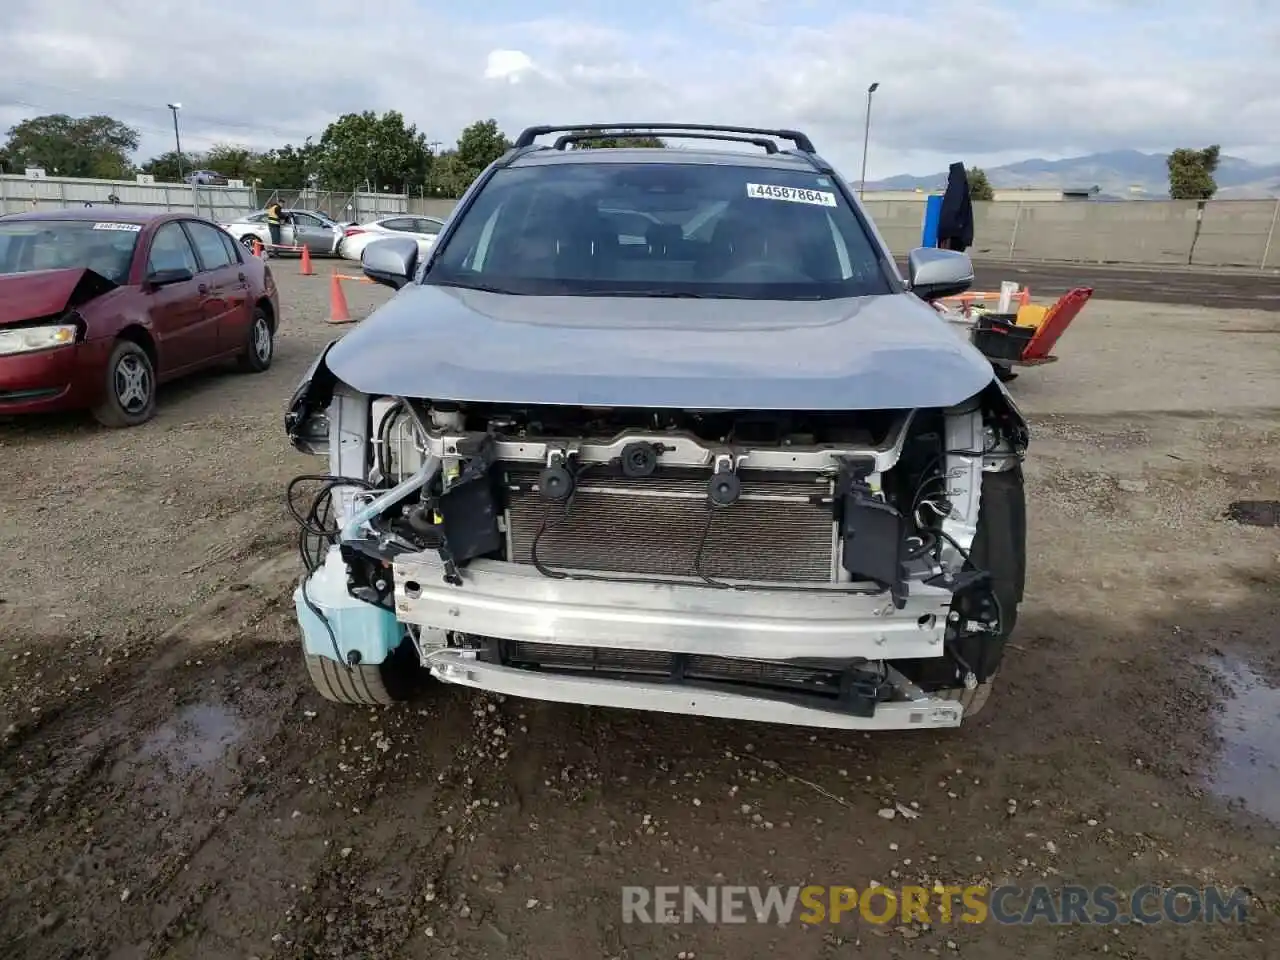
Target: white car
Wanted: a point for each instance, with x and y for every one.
(422, 229)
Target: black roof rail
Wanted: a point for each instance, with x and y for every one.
(769, 146)
(529, 134)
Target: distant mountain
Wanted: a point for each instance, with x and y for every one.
(1121, 173)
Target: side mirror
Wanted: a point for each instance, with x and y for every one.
(933, 273)
(391, 261)
(165, 278)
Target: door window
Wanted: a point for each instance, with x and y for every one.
(233, 248)
(429, 227)
(306, 220)
(208, 243)
(399, 224)
(171, 250)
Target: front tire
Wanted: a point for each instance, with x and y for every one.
(395, 680)
(261, 346)
(130, 388)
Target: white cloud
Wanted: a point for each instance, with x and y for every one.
(983, 81)
(509, 65)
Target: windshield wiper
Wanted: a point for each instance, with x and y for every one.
(482, 287)
(671, 294)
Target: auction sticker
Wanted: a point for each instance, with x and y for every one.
(771, 191)
(126, 227)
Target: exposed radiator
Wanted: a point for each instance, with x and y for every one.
(655, 526)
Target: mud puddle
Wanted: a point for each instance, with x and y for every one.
(195, 738)
(1246, 770)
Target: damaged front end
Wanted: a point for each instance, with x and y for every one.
(810, 567)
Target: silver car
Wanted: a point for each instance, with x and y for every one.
(299, 228)
(741, 469)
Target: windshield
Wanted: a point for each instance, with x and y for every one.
(691, 229)
(105, 247)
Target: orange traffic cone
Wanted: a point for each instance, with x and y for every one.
(257, 248)
(338, 312)
(306, 270)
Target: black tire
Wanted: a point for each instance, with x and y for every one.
(129, 394)
(393, 681)
(1000, 546)
(260, 345)
(1004, 373)
(249, 239)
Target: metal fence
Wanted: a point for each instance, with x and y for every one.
(340, 205)
(20, 194)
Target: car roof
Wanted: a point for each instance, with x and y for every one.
(782, 160)
(104, 212)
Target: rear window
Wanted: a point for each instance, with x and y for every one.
(104, 246)
(676, 229)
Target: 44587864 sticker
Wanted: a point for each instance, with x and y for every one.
(772, 191)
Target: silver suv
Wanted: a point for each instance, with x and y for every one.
(663, 429)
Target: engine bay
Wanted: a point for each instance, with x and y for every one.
(734, 500)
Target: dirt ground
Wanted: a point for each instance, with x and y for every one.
(170, 785)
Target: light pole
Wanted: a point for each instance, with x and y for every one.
(866, 137)
(177, 140)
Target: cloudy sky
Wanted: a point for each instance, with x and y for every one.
(983, 81)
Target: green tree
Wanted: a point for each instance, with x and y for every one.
(166, 168)
(1191, 173)
(979, 185)
(234, 163)
(382, 150)
(449, 176)
(603, 142)
(288, 167)
(454, 170)
(96, 146)
(480, 144)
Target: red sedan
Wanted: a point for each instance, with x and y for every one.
(97, 307)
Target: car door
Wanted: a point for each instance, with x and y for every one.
(312, 232)
(222, 285)
(176, 310)
(233, 333)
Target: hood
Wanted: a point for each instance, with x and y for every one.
(883, 352)
(48, 293)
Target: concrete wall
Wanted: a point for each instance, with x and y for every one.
(431, 207)
(1225, 233)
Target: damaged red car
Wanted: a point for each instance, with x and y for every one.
(99, 307)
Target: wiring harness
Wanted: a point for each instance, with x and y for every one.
(318, 526)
